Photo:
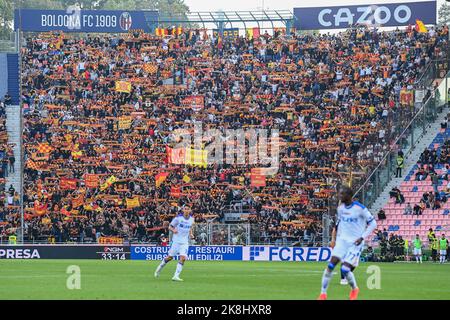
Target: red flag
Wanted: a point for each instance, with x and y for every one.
(219, 43)
(65, 212)
(176, 156)
(160, 178)
(256, 33)
(257, 178)
(175, 192)
(91, 180)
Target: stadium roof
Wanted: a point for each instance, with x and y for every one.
(221, 17)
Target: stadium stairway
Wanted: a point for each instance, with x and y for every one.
(3, 71)
(13, 128)
(410, 161)
(410, 225)
(13, 77)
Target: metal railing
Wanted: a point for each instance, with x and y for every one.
(374, 185)
(7, 46)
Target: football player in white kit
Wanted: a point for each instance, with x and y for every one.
(354, 223)
(181, 227)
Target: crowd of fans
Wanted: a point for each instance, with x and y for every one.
(335, 99)
(9, 197)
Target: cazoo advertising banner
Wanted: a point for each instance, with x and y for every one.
(74, 20)
(381, 15)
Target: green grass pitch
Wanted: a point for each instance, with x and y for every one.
(221, 280)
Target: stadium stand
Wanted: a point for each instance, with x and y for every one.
(95, 152)
(426, 190)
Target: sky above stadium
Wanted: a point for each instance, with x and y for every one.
(239, 5)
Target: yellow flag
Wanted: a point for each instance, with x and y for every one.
(186, 178)
(109, 182)
(420, 27)
(133, 203)
(196, 157)
(123, 86)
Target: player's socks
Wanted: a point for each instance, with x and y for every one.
(349, 275)
(161, 265)
(343, 279)
(420, 259)
(179, 269)
(326, 277)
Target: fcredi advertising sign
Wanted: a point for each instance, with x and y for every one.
(381, 15)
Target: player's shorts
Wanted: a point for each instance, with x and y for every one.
(347, 251)
(179, 249)
(417, 252)
(443, 252)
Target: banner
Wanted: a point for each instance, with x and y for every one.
(196, 157)
(175, 192)
(53, 251)
(91, 180)
(195, 102)
(236, 253)
(195, 252)
(67, 184)
(228, 33)
(253, 33)
(380, 15)
(150, 68)
(71, 20)
(133, 203)
(268, 253)
(123, 86)
(125, 123)
(44, 148)
(149, 252)
(176, 156)
(257, 177)
(407, 98)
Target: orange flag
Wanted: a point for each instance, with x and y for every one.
(40, 209)
(44, 148)
(160, 178)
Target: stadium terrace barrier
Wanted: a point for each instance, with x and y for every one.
(149, 252)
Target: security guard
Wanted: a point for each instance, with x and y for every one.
(448, 97)
(400, 162)
(406, 247)
(383, 248)
(434, 248)
(12, 239)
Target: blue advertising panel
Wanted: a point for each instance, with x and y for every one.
(381, 15)
(111, 21)
(237, 253)
(269, 253)
(194, 253)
